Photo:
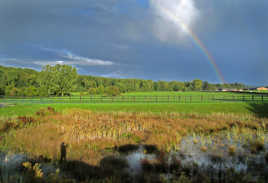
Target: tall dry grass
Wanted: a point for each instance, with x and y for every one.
(92, 135)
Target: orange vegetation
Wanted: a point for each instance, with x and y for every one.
(91, 135)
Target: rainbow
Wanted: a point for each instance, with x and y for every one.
(209, 56)
(198, 42)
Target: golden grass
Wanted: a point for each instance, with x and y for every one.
(91, 135)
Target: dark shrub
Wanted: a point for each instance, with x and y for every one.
(7, 126)
(51, 110)
(26, 120)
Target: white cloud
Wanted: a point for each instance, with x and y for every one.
(78, 60)
(73, 59)
(88, 62)
(173, 18)
(47, 62)
(66, 57)
(60, 62)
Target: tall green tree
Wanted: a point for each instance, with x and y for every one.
(197, 84)
(205, 85)
(58, 79)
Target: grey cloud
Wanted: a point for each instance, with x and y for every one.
(239, 16)
(120, 36)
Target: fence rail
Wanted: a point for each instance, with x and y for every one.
(138, 99)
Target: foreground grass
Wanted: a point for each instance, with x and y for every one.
(90, 133)
(207, 108)
(94, 138)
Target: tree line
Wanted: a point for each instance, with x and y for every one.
(60, 80)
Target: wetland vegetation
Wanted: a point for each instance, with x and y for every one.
(116, 146)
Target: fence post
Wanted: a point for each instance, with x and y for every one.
(190, 99)
(262, 98)
(80, 99)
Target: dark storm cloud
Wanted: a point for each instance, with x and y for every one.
(123, 32)
(236, 33)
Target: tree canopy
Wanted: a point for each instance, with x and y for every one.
(62, 79)
(58, 79)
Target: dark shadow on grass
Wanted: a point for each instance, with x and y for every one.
(129, 148)
(81, 171)
(110, 168)
(259, 109)
(114, 168)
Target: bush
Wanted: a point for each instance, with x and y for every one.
(12, 91)
(112, 91)
(31, 91)
(7, 126)
(92, 91)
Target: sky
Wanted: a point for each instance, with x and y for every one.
(212, 40)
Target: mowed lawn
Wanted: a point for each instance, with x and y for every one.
(205, 108)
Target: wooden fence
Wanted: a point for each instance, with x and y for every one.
(138, 99)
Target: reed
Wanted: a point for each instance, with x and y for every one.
(91, 132)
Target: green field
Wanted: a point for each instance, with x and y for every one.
(236, 108)
(157, 102)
